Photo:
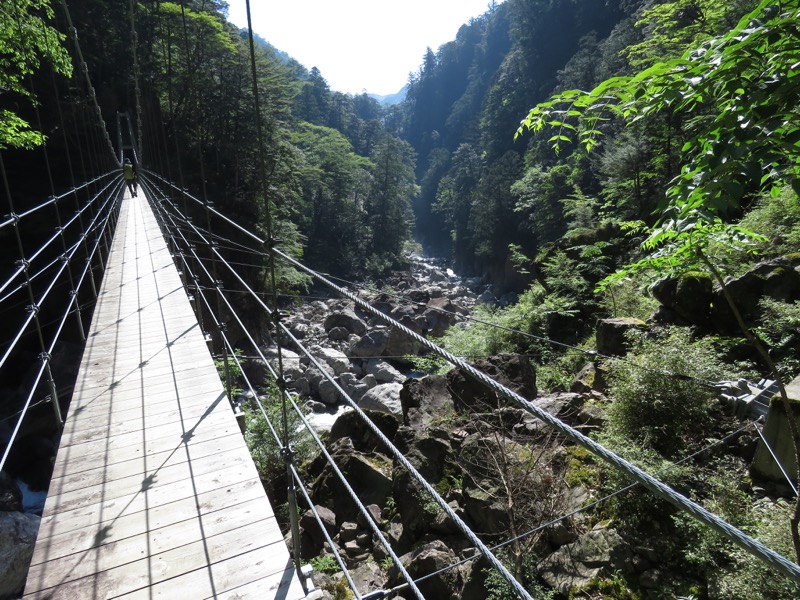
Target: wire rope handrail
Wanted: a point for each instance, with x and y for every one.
(14, 218)
(100, 221)
(25, 263)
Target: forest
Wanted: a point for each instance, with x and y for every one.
(586, 160)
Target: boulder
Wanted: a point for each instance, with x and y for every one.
(17, 538)
(311, 537)
(327, 392)
(778, 279)
(612, 334)
(371, 345)
(588, 378)
(368, 577)
(347, 319)
(338, 361)
(400, 344)
(10, 494)
(427, 559)
(383, 371)
(383, 398)
(689, 297)
(514, 371)
(596, 553)
(338, 334)
(425, 400)
(427, 452)
(351, 425)
(369, 476)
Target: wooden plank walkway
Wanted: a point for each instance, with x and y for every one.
(154, 494)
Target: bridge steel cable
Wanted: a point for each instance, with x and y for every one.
(399, 456)
(84, 68)
(107, 213)
(729, 532)
(285, 448)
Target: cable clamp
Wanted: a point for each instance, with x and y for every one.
(281, 383)
(45, 357)
(24, 263)
(32, 309)
(273, 241)
(287, 454)
(64, 258)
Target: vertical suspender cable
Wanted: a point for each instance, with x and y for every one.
(85, 69)
(44, 356)
(136, 89)
(292, 493)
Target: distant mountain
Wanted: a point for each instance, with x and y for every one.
(391, 99)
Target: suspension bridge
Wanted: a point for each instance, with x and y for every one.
(153, 492)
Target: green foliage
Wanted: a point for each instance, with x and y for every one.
(27, 42)
(661, 398)
(750, 579)
(777, 219)
(582, 468)
(627, 298)
(739, 92)
(430, 364)
(481, 337)
(607, 587)
(264, 447)
(780, 328)
(497, 588)
(637, 511)
(730, 571)
(234, 371)
(672, 26)
(325, 564)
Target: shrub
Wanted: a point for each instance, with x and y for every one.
(661, 393)
(263, 446)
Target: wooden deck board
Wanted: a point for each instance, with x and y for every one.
(153, 493)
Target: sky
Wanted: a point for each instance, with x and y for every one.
(358, 45)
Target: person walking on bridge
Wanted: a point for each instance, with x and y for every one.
(129, 173)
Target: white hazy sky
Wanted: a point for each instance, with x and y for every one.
(358, 45)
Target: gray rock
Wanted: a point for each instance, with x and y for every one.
(338, 334)
(327, 392)
(611, 334)
(348, 531)
(371, 345)
(574, 565)
(10, 494)
(338, 361)
(17, 538)
(383, 398)
(346, 319)
(351, 425)
(428, 559)
(515, 371)
(368, 577)
(384, 372)
(311, 537)
(425, 400)
(401, 344)
(375, 513)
